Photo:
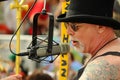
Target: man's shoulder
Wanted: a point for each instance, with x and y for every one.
(101, 69)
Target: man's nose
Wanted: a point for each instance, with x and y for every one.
(69, 31)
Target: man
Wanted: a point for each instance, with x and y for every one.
(91, 28)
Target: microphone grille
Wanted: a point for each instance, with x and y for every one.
(65, 48)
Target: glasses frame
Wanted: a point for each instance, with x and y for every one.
(72, 26)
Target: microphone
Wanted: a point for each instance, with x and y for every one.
(57, 49)
(42, 51)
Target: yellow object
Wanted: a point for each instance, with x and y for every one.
(18, 6)
(63, 71)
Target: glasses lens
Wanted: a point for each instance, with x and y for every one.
(74, 27)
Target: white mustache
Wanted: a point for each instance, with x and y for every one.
(80, 47)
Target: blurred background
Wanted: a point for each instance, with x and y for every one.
(27, 66)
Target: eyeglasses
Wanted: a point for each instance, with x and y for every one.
(74, 27)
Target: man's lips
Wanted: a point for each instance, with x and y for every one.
(74, 43)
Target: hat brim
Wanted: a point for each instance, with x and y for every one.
(105, 21)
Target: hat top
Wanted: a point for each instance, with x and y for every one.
(91, 7)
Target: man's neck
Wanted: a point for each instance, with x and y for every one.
(100, 42)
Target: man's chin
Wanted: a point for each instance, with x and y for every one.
(81, 50)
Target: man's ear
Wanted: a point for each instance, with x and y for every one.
(101, 29)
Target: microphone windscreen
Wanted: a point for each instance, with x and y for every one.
(56, 50)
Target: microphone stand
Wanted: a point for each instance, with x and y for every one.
(33, 51)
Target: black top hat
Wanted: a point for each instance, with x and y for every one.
(90, 11)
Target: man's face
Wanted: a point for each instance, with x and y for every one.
(81, 35)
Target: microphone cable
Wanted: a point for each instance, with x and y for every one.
(24, 18)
